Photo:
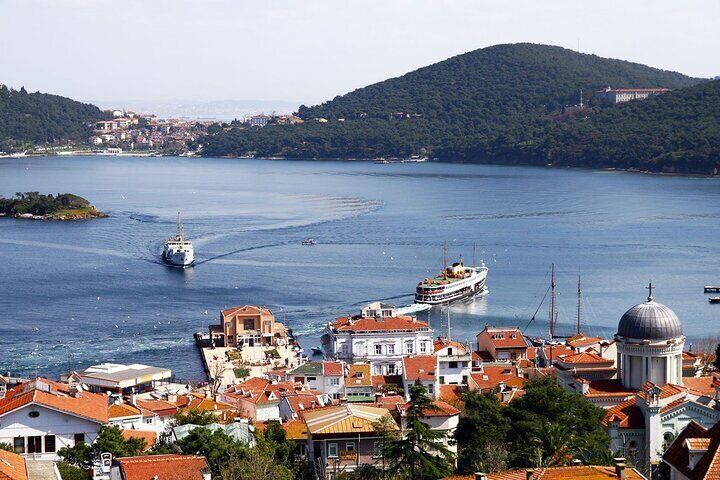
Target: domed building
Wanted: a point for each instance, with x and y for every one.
(650, 343)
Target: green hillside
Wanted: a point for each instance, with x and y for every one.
(501, 104)
(40, 117)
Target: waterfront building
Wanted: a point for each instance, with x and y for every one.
(380, 340)
(327, 377)
(40, 417)
(620, 95)
(502, 343)
(344, 437)
(121, 379)
(423, 369)
(160, 467)
(649, 347)
(248, 326)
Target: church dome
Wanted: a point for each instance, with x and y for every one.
(650, 320)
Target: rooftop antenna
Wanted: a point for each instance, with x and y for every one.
(579, 305)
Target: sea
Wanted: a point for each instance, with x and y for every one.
(74, 294)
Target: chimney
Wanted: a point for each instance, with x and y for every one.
(529, 474)
(620, 468)
(133, 399)
(481, 476)
(172, 398)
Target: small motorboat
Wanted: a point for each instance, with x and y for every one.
(317, 350)
(309, 241)
(714, 299)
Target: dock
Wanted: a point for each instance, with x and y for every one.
(712, 289)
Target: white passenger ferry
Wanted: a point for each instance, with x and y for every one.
(178, 251)
(453, 283)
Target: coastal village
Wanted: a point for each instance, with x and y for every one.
(661, 400)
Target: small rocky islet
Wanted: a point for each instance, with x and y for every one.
(37, 206)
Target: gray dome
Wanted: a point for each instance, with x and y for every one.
(650, 320)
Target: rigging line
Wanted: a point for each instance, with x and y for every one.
(537, 309)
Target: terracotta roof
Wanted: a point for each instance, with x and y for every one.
(667, 390)
(553, 353)
(295, 430)
(504, 337)
(344, 419)
(441, 343)
(246, 310)
(627, 414)
(332, 368)
(358, 375)
(199, 402)
(163, 467)
(608, 388)
(149, 437)
(677, 454)
(580, 340)
(492, 375)
(389, 401)
(12, 466)
(381, 381)
(584, 472)
(121, 410)
(56, 396)
(162, 408)
(701, 385)
(371, 324)
(419, 367)
(584, 358)
(451, 394)
(440, 409)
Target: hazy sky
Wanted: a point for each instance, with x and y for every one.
(309, 51)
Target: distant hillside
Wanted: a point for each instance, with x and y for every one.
(501, 104)
(40, 117)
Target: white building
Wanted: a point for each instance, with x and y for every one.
(454, 362)
(423, 369)
(326, 377)
(40, 417)
(380, 340)
(113, 377)
(620, 95)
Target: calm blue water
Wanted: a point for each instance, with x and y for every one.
(96, 289)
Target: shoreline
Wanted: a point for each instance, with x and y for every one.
(366, 160)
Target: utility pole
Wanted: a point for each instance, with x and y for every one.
(552, 316)
(579, 305)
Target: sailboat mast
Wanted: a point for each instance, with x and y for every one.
(474, 246)
(552, 301)
(579, 305)
(444, 268)
(448, 322)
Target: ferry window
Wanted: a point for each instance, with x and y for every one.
(19, 444)
(50, 443)
(332, 450)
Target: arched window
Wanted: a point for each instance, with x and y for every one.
(668, 438)
(632, 449)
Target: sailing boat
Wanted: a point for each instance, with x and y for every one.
(178, 251)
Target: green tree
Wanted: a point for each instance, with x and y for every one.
(256, 463)
(481, 433)
(419, 453)
(215, 446)
(716, 361)
(6, 446)
(110, 440)
(71, 472)
(195, 417)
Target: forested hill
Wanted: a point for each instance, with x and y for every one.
(501, 104)
(40, 117)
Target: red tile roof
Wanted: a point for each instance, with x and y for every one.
(371, 324)
(627, 414)
(12, 466)
(452, 394)
(162, 408)
(608, 388)
(580, 340)
(163, 467)
(358, 375)
(420, 367)
(677, 454)
(504, 337)
(438, 409)
(492, 375)
(260, 390)
(701, 385)
(584, 472)
(441, 343)
(583, 358)
(149, 437)
(246, 310)
(333, 369)
(56, 396)
(554, 351)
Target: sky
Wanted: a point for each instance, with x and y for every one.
(310, 51)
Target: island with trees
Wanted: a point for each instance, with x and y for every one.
(36, 206)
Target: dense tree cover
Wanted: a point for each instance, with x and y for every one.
(71, 472)
(42, 118)
(546, 427)
(38, 204)
(110, 440)
(501, 104)
(195, 417)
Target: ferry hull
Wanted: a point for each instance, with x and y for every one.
(470, 289)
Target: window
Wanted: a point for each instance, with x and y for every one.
(34, 444)
(302, 449)
(311, 379)
(350, 447)
(19, 444)
(449, 350)
(378, 349)
(464, 379)
(391, 369)
(332, 450)
(377, 449)
(423, 347)
(442, 380)
(79, 438)
(334, 381)
(391, 349)
(667, 440)
(248, 324)
(50, 443)
(409, 348)
(452, 364)
(431, 388)
(378, 370)
(149, 420)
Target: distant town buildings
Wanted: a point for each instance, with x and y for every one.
(620, 95)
